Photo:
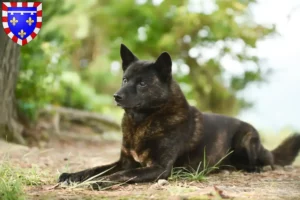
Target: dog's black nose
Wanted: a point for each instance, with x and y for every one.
(118, 97)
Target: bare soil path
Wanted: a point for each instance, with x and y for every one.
(61, 156)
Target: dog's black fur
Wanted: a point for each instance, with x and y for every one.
(161, 130)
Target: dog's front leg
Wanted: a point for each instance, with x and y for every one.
(125, 162)
(88, 173)
(144, 174)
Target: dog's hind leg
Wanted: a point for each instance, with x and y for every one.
(265, 157)
(258, 156)
(251, 149)
(249, 153)
(251, 143)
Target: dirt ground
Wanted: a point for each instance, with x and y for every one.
(60, 156)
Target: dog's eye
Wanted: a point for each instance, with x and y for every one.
(124, 81)
(142, 84)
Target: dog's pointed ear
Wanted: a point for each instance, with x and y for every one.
(164, 66)
(127, 57)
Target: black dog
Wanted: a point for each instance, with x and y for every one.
(161, 130)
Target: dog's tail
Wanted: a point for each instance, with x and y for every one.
(287, 151)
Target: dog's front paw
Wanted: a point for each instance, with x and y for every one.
(63, 177)
(70, 177)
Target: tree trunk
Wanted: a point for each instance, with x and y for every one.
(10, 128)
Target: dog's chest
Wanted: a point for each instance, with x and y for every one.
(140, 156)
(136, 141)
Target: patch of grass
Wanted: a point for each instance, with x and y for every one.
(10, 185)
(199, 174)
(13, 179)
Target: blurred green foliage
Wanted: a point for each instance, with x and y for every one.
(74, 61)
(42, 62)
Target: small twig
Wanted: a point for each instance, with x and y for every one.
(53, 187)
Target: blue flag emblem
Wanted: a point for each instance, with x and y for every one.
(22, 21)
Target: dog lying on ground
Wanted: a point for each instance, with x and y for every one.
(161, 130)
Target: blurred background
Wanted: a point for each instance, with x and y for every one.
(235, 57)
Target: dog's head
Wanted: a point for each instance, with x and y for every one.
(145, 84)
